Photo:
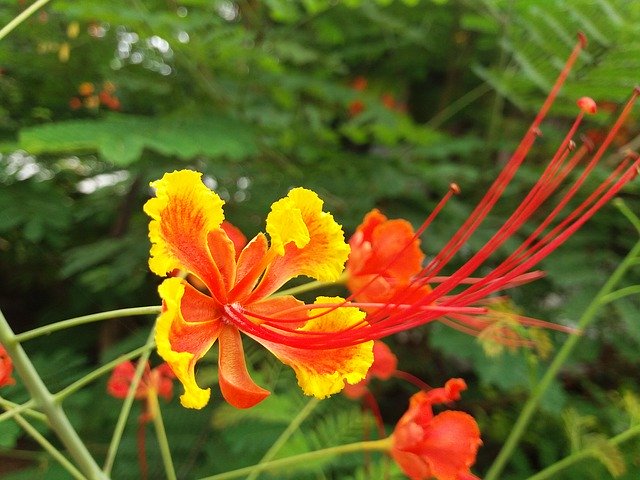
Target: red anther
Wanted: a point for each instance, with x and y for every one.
(537, 132)
(583, 39)
(454, 188)
(587, 105)
(636, 90)
(572, 145)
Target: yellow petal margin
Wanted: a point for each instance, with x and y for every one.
(324, 372)
(170, 323)
(183, 211)
(309, 241)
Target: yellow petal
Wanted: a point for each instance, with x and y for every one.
(308, 241)
(324, 372)
(185, 331)
(182, 214)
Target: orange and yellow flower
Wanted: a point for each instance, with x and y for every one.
(187, 234)
(6, 368)
(442, 446)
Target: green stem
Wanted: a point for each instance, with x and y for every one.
(9, 405)
(17, 409)
(369, 446)
(126, 406)
(284, 436)
(98, 372)
(621, 293)
(313, 285)
(96, 317)
(583, 454)
(538, 391)
(454, 107)
(21, 17)
(46, 445)
(161, 435)
(14, 409)
(45, 400)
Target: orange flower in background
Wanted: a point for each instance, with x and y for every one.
(6, 368)
(385, 256)
(442, 446)
(187, 233)
(383, 367)
(158, 381)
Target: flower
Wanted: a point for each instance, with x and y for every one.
(6, 368)
(385, 256)
(158, 381)
(186, 233)
(443, 446)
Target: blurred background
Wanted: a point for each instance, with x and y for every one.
(371, 104)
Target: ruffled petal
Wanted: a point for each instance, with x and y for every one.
(307, 240)
(324, 372)
(236, 384)
(186, 329)
(183, 212)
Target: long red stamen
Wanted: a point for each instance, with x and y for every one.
(429, 297)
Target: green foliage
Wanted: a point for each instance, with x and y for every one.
(121, 139)
(261, 96)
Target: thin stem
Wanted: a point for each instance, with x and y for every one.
(621, 293)
(454, 107)
(284, 436)
(21, 17)
(368, 446)
(37, 389)
(50, 449)
(96, 317)
(98, 372)
(17, 409)
(626, 211)
(313, 285)
(9, 405)
(161, 435)
(583, 454)
(126, 406)
(536, 395)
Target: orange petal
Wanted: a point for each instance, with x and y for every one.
(251, 264)
(186, 329)
(412, 465)
(235, 383)
(223, 252)
(307, 240)
(385, 248)
(182, 214)
(279, 309)
(450, 444)
(324, 372)
(236, 236)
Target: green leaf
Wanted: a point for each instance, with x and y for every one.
(121, 139)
